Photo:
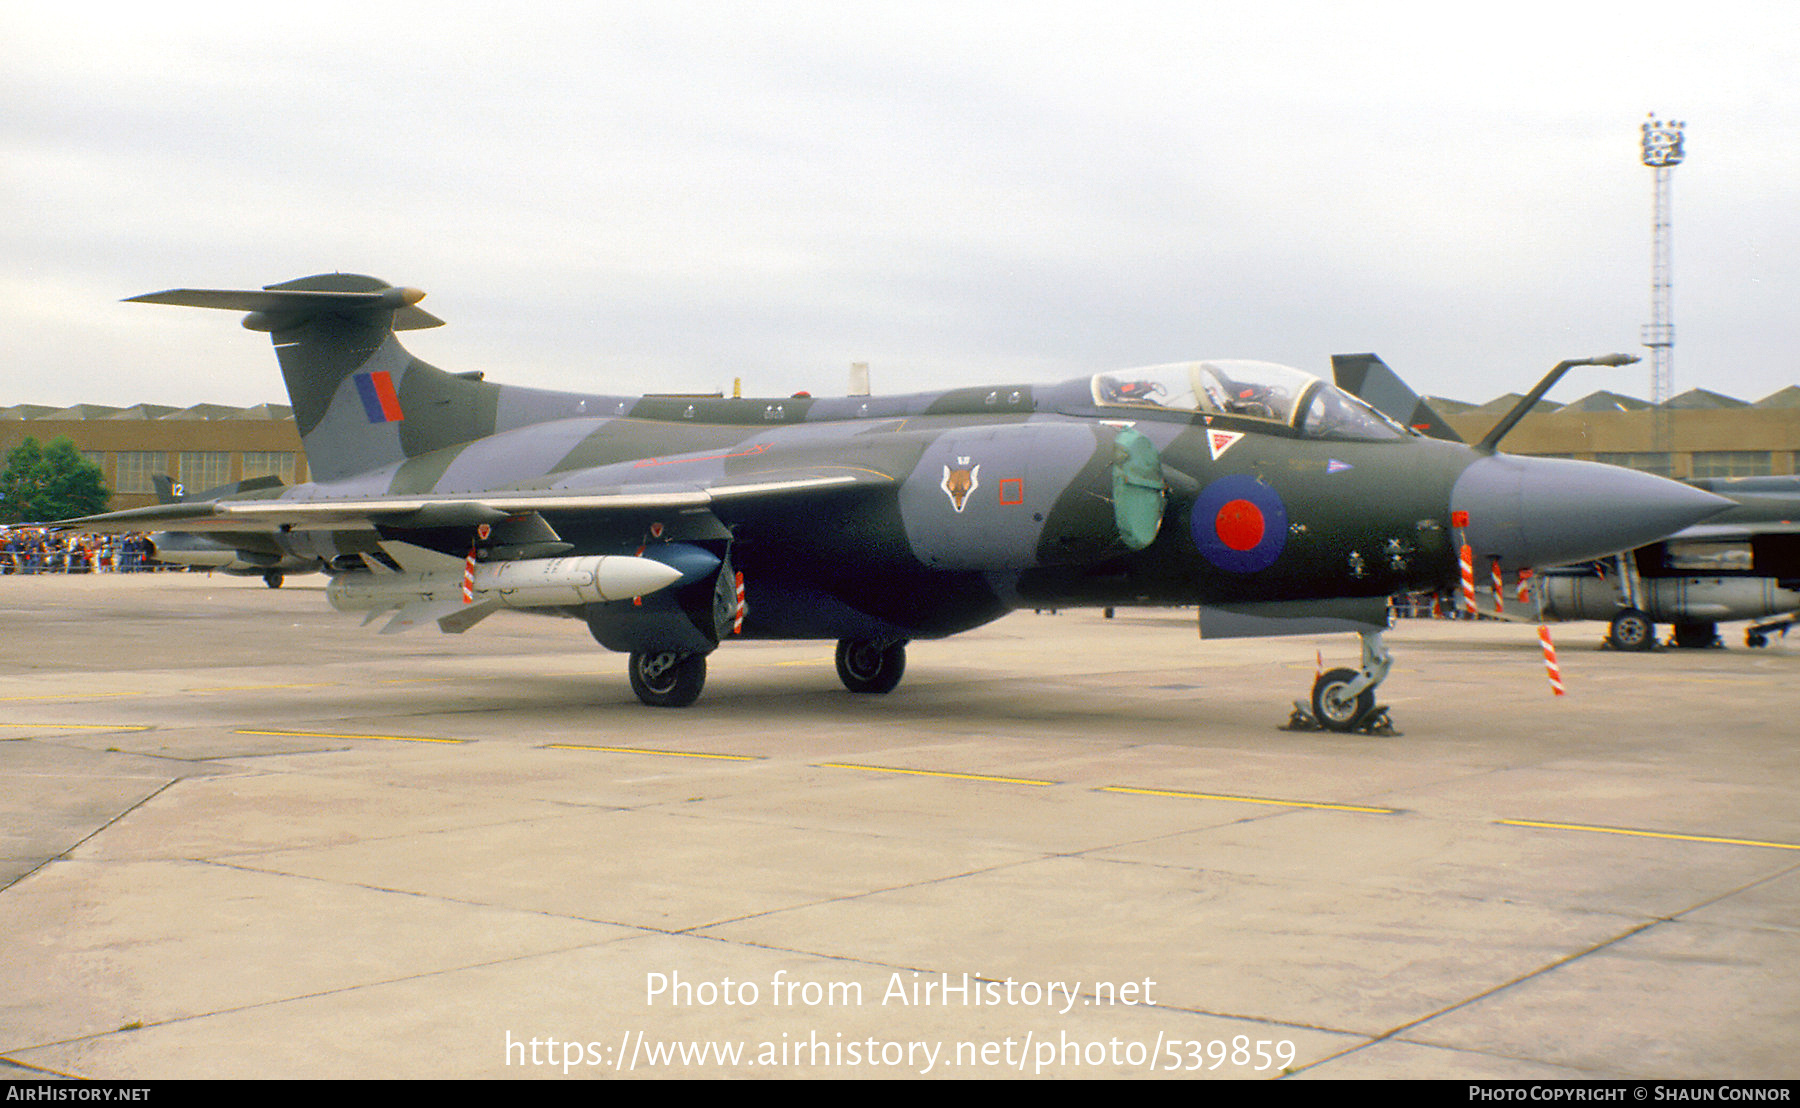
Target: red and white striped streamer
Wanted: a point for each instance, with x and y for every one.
(737, 622)
(468, 585)
(1499, 584)
(1550, 666)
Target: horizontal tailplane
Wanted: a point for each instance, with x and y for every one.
(361, 401)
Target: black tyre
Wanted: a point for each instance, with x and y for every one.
(273, 579)
(1335, 710)
(665, 679)
(870, 667)
(1632, 630)
(1696, 636)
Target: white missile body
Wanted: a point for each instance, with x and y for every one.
(430, 586)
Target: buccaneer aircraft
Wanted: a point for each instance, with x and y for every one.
(1268, 498)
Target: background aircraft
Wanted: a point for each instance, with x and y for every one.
(200, 552)
(670, 524)
(1742, 564)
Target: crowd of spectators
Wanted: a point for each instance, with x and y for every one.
(37, 550)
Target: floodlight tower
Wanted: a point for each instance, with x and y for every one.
(1663, 151)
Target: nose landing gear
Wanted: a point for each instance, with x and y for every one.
(1344, 699)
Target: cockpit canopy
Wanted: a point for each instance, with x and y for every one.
(1256, 390)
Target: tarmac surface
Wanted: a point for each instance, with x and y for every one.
(241, 836)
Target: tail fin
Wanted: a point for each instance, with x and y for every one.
(1367, 376)
(361, 401)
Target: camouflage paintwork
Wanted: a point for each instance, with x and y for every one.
(873, 519)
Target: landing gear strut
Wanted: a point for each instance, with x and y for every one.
(1344, 699)
(1758, 633)
(870, 667)
(665, 679)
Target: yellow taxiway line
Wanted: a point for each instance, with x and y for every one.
(659, 753)
(936, 773)
(335, 735)
(1647, 834)
(1251, 800)
(47, 726)
(259, 688)
(68, 696)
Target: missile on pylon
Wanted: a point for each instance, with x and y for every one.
(458, 594)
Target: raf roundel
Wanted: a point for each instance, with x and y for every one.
(1240, 524)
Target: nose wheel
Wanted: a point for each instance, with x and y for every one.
(1335, 706)
(1344, 699)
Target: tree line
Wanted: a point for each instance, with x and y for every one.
(45, 483)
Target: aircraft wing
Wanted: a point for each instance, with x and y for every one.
(1724, 531)
(439, 510)
(1764, 506)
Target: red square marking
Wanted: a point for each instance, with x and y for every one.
(1012, 490)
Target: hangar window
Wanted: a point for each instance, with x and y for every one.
(1660, 464)
(280, 463)
(204, 469)
(134, 469)
(1733, 463)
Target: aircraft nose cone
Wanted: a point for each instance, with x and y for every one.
(1547, 511)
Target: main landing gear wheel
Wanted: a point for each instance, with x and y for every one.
(870, 667)
(1334, 706)
(273, 579)
(1696, 636)
(1632, 630)
(665, 679)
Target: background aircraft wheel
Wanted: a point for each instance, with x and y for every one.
(1695, 636)
(273, 579)
(1332, 708)
(1632, 630)
(869, 667)
(665, 679)
(1755, 638)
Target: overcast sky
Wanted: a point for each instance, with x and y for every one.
(659, 197)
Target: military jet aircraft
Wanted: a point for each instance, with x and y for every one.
(200, 552)
(1267, 497)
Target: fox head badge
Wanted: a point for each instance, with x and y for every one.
(958, 483)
